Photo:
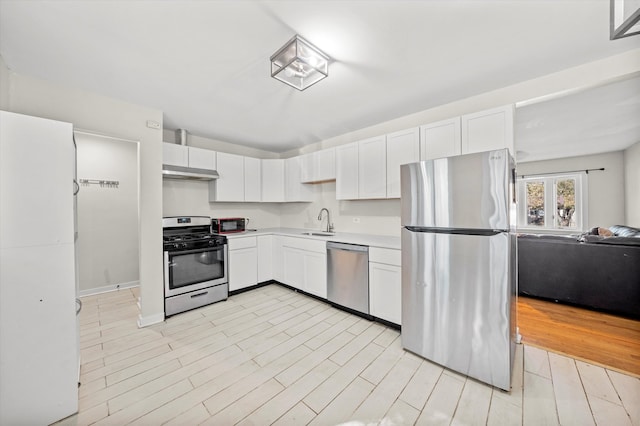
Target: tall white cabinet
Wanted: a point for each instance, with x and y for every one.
(403, 147)
(38, 322)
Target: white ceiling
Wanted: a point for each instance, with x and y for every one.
(205, 64)
(601, 119)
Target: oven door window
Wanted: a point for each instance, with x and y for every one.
(195, 266)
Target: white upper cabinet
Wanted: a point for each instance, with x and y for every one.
(294, 189)
(252, 179)
(347, 172)
(202, 158)
(488, 130)
(361, 169)
(372, 168)
(273, 181)
(230, 185)
(188, 156)
(440, 139)
(319, 166)
(402, 148)
(175, 155)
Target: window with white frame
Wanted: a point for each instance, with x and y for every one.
(553, 202)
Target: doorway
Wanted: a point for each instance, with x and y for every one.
(108, 213)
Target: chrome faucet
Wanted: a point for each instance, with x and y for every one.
(329, 224)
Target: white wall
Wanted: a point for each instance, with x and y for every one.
(4, 85)
(113, 117)
(107, 245)
(380, 217)
(632, 185)
(185, 198)
(606, 193)
(216, 145)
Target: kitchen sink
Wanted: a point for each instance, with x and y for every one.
(319, 234)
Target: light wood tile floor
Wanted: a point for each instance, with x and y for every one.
(274, 356)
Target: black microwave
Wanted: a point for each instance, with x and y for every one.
(228, 225)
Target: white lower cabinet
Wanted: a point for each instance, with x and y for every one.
(265, 258)
(243, 262)
(316, 273)
(293, 261)
(277, 258)
(304, 264)
(385, 284)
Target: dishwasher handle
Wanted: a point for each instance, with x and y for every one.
(332, 245)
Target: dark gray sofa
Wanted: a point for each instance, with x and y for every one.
(592, 271)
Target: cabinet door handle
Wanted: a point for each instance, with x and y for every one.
(77, 189)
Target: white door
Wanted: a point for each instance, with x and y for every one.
(372, 168)
(347, 172)
(488, 130)
(243, 268)
(440, 139)
(230, 184)
(252, 179)
(272, 180)
(402, 148)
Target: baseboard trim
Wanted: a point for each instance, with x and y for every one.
(108, 288)
(150, 319)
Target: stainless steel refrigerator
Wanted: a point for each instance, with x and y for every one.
(459, 263)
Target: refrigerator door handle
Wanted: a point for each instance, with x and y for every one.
(514, 188)
(458, 231)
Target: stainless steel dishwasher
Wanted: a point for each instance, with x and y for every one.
(348, 276)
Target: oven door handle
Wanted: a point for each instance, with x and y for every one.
(201, 250)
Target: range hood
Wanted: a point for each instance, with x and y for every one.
(188, 173)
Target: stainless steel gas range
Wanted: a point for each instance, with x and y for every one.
(195, 264)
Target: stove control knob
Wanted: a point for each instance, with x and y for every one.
(175, 245)
(212, 242)
(183, 245)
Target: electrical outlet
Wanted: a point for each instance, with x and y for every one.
(356, 220)
(153, 124)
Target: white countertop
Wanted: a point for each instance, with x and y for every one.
(382, 241)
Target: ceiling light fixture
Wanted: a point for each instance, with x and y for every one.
(625, 18)
(299, 64)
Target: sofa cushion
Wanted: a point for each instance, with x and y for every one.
(619, 241)
(625, 231)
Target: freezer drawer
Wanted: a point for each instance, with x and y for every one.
(457, 301)
(348, 276)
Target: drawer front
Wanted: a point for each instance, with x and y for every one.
(385, 255)
(307, 244)
(195, 299)
(240, 243)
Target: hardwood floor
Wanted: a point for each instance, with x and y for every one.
(274, 356)
(601, 339)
